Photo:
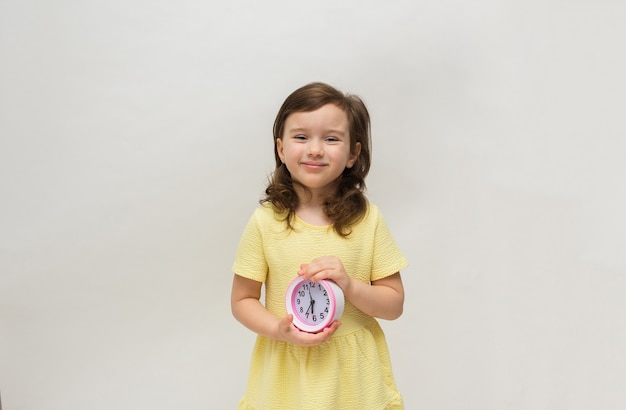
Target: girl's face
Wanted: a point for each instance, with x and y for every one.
(315, 147)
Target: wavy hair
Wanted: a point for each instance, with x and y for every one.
(349, 204)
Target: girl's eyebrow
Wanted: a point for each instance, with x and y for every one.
(293, 130)
(304, 130)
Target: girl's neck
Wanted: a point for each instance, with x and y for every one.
(313, 214)
(311, 208)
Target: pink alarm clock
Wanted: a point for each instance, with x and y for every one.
(314, 306)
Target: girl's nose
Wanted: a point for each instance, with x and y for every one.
(315, 149)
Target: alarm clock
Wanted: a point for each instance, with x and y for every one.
(314, 306)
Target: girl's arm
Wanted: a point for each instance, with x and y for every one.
(383, 298)
(247, 309)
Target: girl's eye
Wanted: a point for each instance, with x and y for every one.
(332, 139)
(300, 137)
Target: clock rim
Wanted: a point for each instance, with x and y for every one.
(296, 319)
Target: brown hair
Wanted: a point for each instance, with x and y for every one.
(349, 204)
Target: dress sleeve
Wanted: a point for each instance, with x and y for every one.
(250, 259)
(388, 258)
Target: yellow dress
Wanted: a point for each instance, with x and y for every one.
(352, 370)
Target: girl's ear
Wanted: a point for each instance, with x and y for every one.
(354, 155)
(280, 149)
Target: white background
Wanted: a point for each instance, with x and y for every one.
(135, 141)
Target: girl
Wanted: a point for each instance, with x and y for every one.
(316, 222)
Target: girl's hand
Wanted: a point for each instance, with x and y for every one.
(287, 332)
(382, 298)
(326, 267)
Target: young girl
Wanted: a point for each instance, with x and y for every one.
(316, 222)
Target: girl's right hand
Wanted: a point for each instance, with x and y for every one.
(287, 332)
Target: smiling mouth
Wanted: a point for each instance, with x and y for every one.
(313, 164)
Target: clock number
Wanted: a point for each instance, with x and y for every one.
(315, 318)
(325, 293)
(321, 316)
(301, 309)
(301, 293)
(298, 301)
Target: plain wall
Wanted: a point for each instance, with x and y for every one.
(135, 141)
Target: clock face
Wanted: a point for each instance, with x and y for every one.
(312, 302)
(314, 306)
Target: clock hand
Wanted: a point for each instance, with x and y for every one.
(312, 302)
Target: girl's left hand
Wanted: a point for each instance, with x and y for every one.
(326, 267)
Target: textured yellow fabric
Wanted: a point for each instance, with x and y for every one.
(350, 371)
